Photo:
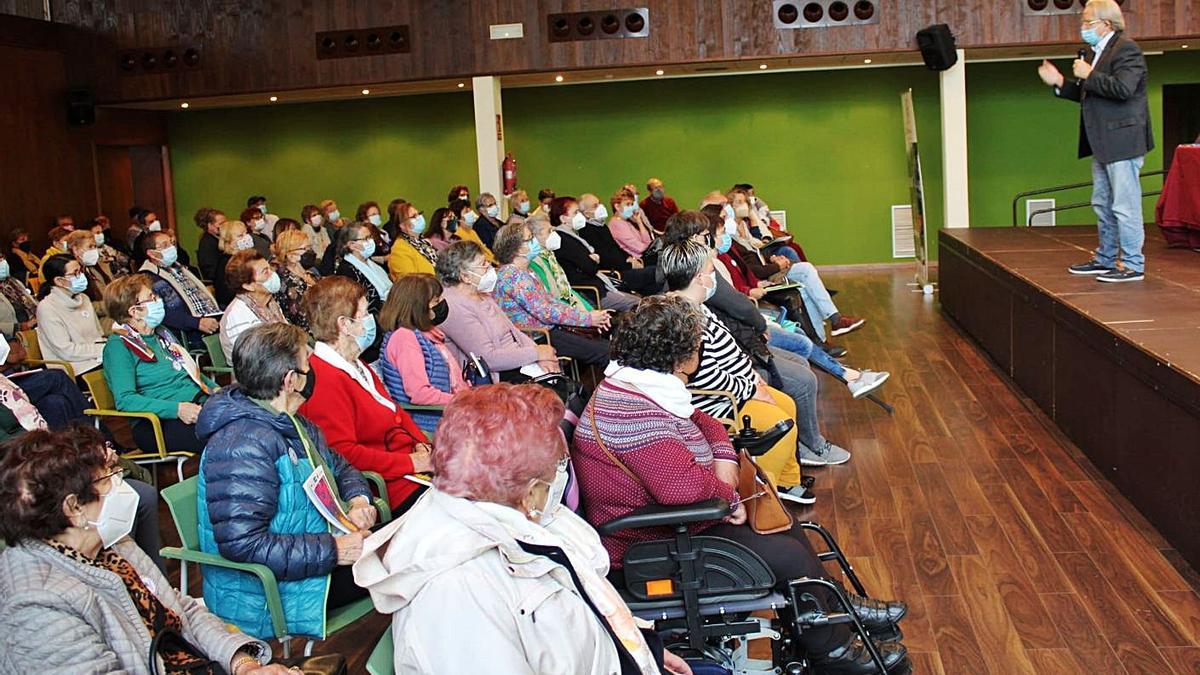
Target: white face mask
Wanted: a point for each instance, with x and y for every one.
(578, 221)
(730, 226)
(554, 496)
(375, 219)
(487, 282)
(116, 514)
(601, 212)
(90, 257)
(244, 242)
(4, 270)
(99, 239)
(553, 242)
(316, 220)
(154, 227)
(710, 290)
(260, 224)
(5, 348)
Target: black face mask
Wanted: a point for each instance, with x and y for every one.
(24, 246)
(310, 383)
(308, 260)
(452, 225)
(440, 312)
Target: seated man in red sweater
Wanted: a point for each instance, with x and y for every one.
(349, 402)
(657, 205)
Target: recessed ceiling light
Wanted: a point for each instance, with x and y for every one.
(558, 78)
(1183, 46)
(273, 99)
(461, 85)
(658, 72)
(183, 105)
(762, 66)
(366, 91)
(866, 60)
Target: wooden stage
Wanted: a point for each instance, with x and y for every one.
(1116, 366)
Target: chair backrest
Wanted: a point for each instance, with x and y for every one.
(30, 339)
(381, 661)
(181, 499)
(215, 353)
(98, 389)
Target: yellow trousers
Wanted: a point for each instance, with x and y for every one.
(780, 461)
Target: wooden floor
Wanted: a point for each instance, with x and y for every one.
(1013, 553)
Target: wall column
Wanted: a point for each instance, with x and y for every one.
(954, 144)
(489, 135)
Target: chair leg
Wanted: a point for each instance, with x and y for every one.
(183, 577)
(285, 643)
(179, 467)
(308, 647)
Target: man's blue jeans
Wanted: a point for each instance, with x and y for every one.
(1117, 201)
(816, 299)
(800, 345)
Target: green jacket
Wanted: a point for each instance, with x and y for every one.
(147, 386)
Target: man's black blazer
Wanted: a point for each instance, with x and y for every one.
(1115, 116)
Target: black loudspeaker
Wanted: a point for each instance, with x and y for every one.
(937, 47)
(81, 108)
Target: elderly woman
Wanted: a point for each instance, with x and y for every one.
(255, 302)
(518, 206)
(466, 219)
(312, 223)
(356, 246)
(18, 307)
(259, 228)
(476, 324)
(81, 245)
(112, 258)
(350, 403)
(544, 264)
(489, 222)
(294, 262)
(411, 253)
(627, 229)
(250, 496)
(76, 594)
(23, 263)
(67, 326)
(530, 307)
(678, 454)
(149, 370)
(526, 578)
(442, 230)
(416, 364)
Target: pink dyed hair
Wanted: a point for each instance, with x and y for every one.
(493, 440)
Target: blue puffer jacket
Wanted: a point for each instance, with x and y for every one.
(252, 508)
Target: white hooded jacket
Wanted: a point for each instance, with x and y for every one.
(467, 598)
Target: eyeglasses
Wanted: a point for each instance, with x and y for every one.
(116, 477)
(1089, 23)
(152, 298)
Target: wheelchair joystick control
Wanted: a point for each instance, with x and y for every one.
(747, 432)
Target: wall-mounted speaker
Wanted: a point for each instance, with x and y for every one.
(340, 44)
(81, 107)
(789, 14)
(598, 25)
(158, 60)
(937, 47)
(1053, 7)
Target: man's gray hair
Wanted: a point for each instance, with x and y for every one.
(1108, 10)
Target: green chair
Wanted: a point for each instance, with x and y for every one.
(381, 661)
(181, 500)
(216, 356)
(106, 406)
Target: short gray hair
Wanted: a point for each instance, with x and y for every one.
(456, 260)
(508, 242)
(538, 220)
(681, 262)
(1107, 10)
(482, 196)
(264, 355)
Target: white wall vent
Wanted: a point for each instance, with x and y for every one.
(902, 232)
(1041, 219)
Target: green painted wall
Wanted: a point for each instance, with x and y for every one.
(1021, 137)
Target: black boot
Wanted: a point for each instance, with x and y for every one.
(853, 658)
(877, 615)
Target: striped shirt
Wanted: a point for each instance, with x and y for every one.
(724, 366)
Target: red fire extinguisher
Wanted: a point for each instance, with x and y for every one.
(509, 167)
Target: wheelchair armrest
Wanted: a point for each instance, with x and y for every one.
(658, 515)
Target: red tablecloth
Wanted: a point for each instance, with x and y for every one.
(1178, 209)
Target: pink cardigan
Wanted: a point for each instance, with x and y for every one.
(478, 325)
(405, 354)
(631, 238)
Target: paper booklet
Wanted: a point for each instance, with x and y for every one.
(316, 486)
(421, 479)
(782, 287)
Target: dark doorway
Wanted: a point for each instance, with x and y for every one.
(1181, 117)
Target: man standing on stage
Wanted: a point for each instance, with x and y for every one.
(1110, 84)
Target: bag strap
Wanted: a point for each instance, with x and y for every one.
(613, 458)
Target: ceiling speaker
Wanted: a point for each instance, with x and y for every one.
(340, 44)
(598, 25)
(788, 14)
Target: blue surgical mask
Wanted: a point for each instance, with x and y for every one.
(417, 224)
(273, 283)
(368, 248)
(493, 210)
(79, 283)
(627, 211)
(156, 311)
(334, 216)
(1090, 36)
(170, 255)
(535, 247)
(523, 207)
(375, 219)
(368, 337)
(469, 218)
(4, 271)
(724, 243)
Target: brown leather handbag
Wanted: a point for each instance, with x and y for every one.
(765, 512)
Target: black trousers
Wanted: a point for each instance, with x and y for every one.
(641, 281)
(177, 434)
(586, 350)
(342, 589)
(55, 395)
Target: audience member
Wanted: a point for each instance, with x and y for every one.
(72, 579)
(442, 229)
(149, 370)
(545, 266)
(191, 310)
(18, 308)
(502, 511)
(411, 254)
(395, 215)
(368, 212)
(81, 245)
(23, 263)
(251, 503)
(313, 224)
(135, 228)
(545, 196)
(489, 219)
(332, 216)
(477, 326)
(518, 206)
(642, 442)
(530, 307)
(294, 261)
(635, 275)
(68, 329)
(356, 246)
(258, 228)
(208, 251)
(467, 218)
(657, 206)
(626, 229)
(416, 365)
(572, 259)
(283, 225)
(58, 244)
(255, 302)
(349, 402)
(113, 255)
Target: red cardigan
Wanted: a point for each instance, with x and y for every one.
(743, 279)
(365, 432)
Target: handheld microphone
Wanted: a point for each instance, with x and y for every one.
(1082, 54)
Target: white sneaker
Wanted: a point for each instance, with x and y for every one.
(867, 382)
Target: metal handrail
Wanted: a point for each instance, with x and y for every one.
(1078, 205)
(1058, 188)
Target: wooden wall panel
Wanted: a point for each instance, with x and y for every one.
(267, 45)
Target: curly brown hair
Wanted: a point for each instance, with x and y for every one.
(38, 470)
(659, 334)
